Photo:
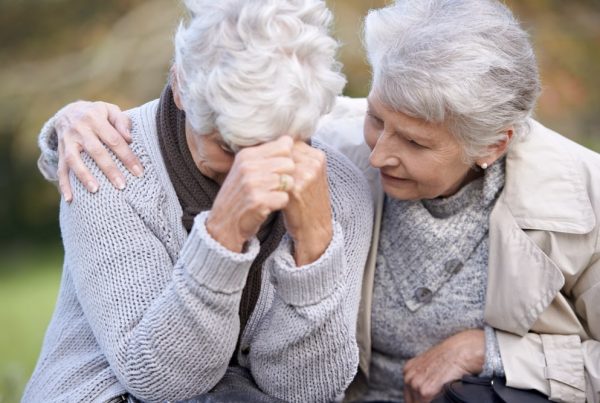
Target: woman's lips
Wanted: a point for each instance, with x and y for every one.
(390, 178)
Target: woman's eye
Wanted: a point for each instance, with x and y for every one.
(414, 143)
(375, 119)
(226, 148)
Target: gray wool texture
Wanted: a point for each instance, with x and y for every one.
(147, 309)
(431, 279)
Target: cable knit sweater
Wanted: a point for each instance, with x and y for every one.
(145, 308)
(430, 279)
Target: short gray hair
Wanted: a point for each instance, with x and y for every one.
(465, 63)
(257, 69)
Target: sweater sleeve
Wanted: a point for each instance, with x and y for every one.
(167, 325)
(305, 347)
(493, 361)
(48, 143)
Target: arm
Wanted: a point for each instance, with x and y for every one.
(167, 329)
(85, 126)
(305, 346)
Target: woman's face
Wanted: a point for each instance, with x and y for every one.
(211, 155)
(417, 160)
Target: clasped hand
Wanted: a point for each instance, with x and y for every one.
(253, 190)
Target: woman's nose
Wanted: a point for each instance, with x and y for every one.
(382, 155)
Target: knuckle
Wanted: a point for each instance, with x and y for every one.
(112, 140)
(308, 176)
(94, 150)
(98, 105)
(289, 164)
(128, 159)
(245, 167)
(253, 201)
(70, 157)
(248, 187)
(428, 393)
(77, 127)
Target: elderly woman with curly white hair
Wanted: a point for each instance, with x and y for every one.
(486, 249)
(234, 264)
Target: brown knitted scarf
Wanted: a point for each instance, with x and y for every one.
(196, 193)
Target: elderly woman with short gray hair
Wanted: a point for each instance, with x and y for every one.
(233, 266)
(485, 258)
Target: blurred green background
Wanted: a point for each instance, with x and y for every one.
(56, 51)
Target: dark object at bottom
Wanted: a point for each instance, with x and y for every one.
(472, 389)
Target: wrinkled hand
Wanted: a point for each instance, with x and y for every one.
(458, 355)
(308, 213)
(84, 126)
(251, 191)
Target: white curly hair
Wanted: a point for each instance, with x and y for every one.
(256, 69)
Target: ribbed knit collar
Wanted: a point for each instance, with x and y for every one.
(483, 190)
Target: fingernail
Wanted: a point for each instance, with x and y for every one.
(68, 197)
(138, 171)
(92, 186)
(120, 183)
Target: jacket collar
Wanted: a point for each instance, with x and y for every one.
(544, 187)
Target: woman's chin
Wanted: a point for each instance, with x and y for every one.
(401, 189)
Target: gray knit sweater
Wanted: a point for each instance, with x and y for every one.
(147, 309)
(430, 279)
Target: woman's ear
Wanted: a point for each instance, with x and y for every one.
(497, 150)
(175, 87)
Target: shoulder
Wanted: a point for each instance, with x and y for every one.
(561, 157)
(138, 190)
(350, 192)
(564, 176)
(342, 130)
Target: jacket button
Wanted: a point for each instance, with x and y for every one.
(246, 350)
(423, 295)
(453, 266)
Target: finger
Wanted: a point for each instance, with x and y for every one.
(63, 176)
(102, 158)
(302, 147)
(280, 165)
(311, 157)
(117, 144)
(73, 161)
(282, 183)
(430, 390)
(120, 121)
(282, 147)
(277, 200)
(408, 397)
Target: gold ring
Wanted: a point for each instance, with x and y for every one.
(283, 183)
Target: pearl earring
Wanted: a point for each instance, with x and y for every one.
(484, 165)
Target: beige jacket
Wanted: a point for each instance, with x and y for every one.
(543, 293)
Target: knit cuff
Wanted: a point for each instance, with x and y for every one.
(213, 265)
(311, 283)
(493, 361)
(48, 143)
